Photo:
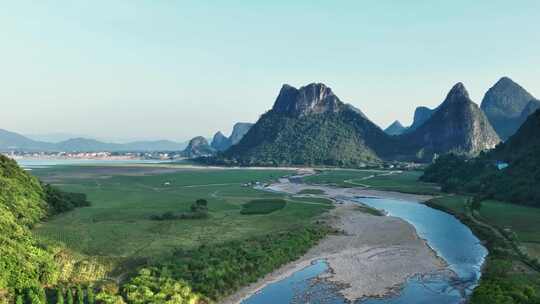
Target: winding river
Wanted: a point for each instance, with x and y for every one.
(451, 240)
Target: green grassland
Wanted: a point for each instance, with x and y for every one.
(263, 206)
(338, 177)
(400, 181)
(311, 191)
(312, 200)
(118, 223)
(405, 181)
(522, 220)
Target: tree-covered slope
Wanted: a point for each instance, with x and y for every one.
(518, 183)
(457, 126)
(24, 201)
(23, 262)
(310, 126)
(330, 139)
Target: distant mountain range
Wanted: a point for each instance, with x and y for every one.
(516, 181)
(221, 142)
(506, 105)
(10, 141)
(312, 126)
(457, 125)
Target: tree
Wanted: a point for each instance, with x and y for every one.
(59, 296)
(42, 295)
(69, 296)
(80, 295)
(33, 297)
(19, 300)
(201, 205)
(90, 297)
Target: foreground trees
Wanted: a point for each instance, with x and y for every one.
(213, 272)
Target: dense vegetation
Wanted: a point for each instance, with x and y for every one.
(333, 139)
(263, 206)
(198, 210)
(175, 261)
(61, 201)
(24, 201)
(117, 227)
(219, 270)
(518, 183)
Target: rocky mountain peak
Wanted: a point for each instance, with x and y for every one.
(239, 131)
(421, 115)
(504, 104)
(396, 128)
(505, 98)
(314, 98)
(197, 147)
(220, 142)
(457, 125)
(458, 93)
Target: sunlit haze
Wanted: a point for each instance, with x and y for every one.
(175, 69)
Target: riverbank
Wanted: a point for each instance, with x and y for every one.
(372, 257)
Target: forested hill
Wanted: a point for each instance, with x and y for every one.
(24, 201)
(487, 175)
(310, 126)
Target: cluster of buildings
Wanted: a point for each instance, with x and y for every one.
(90, 155)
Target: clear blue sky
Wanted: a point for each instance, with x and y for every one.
(175, 69)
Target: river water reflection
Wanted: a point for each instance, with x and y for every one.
(453, 241)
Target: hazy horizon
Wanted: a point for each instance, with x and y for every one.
(167, 70)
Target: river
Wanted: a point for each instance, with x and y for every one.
(451, 240)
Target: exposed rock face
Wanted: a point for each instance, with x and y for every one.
(504, 104)
(314, 98)
(529, 109)
(421, 115)
(220, 142)
(198, 147)
(240, 129)
(523, 148)
(396, 128)
(312, 126)
(458, 126)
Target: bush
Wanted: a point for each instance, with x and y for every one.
(198, 210)
(218, 270)
(263, 206)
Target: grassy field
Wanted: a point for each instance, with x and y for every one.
(457, 204)
(401, 181)
(406, 181)
(521, 220)
(339, 177)
(263, 206)
(311, 191)
(123, 199)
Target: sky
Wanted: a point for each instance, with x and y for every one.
(134, 69)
